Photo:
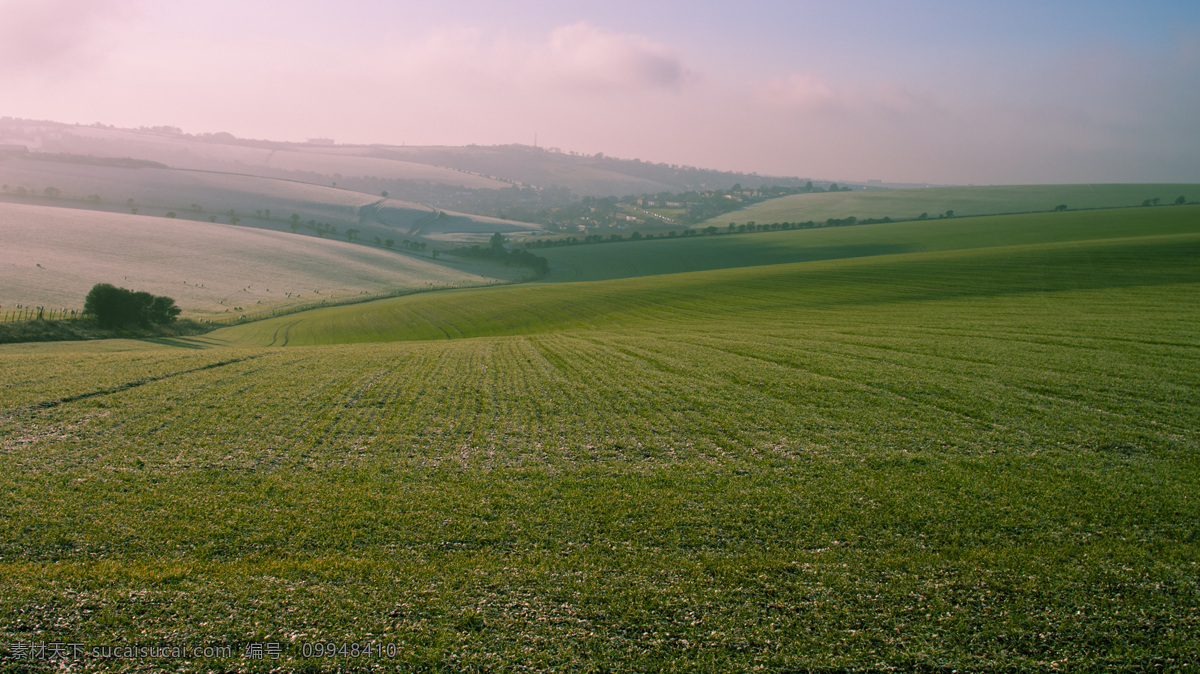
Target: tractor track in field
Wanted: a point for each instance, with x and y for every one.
(287, 333)
(49, 404)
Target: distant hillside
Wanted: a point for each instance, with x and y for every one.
(223, 152)
(52, 256)
(249, 201)
(777, 280)
(595, 175)
(937, 201)
(410, 169)
(604, 261)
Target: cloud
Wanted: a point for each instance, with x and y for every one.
(581, 56)
(809, 95)
(577, 58)
(797, 91)
(37, 34)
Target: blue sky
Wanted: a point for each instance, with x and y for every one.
(939, 92)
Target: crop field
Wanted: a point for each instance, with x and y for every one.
(972, 457)
(669, 256)
(212, 155)
(156, 191)
(988, 200)
(51, 257)
(263, 203)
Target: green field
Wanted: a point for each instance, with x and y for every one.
(669, 256)
(987, 200)
(962, 445)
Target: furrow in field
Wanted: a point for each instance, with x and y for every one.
(1140, 393)
(901, 413)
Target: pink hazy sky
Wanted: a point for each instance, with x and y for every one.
(934, 91)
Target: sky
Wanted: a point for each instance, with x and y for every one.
(929, 91)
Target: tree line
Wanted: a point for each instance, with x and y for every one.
(496, 251)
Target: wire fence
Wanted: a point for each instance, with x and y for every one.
(24, 313)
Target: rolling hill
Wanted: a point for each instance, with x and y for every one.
(254, 201)
(951, 444)
(908, 204)
(224, 153)
(784, 272)
(470, 167)
(964, 445)
(52, 256)
(663, 256)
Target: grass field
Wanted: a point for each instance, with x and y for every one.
(668, 256)
(965, 457)
(986, 200)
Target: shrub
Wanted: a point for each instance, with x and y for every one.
(115, 307)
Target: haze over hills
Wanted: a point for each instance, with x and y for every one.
(470, 167)
(353, 194)
(270, 203)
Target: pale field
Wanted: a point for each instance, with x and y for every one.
(161, 191)
(157, 191)
(184, 152)
(51, 257)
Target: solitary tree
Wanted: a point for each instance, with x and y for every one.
(497, 241)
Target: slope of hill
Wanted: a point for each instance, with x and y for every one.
(595, 175)
(52, 256)
(224, 153)
(682, 254)
(936, 201)
(1006, 255)
(251, 201)
(471, 167)
(981, 458)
